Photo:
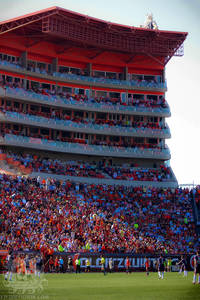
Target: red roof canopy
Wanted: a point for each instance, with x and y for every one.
(63, 27)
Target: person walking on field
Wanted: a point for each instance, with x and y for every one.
(78, 265)
(169, 265)
(127, 265)
(110, 265)
(147, 265)
(196, 268)
(87, 265)
(103, 264)
(161, 267)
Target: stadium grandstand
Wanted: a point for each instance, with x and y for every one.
(83, 127)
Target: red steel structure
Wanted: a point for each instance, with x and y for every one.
(59, 25)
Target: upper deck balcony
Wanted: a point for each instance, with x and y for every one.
(85, 149)
(89, 105)
(90, 127)
(146, 85)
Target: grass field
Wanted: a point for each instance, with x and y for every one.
(96, 286)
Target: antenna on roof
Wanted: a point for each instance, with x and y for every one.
(150, 23)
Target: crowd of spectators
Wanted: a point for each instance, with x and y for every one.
(67, 97)
(121, 145)
(97, 169)
(80, 74)
(197, 198)
(140, 174)
(58, 115)
(77, 168)
(51, 215)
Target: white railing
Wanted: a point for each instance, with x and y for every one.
(89, 127)
(86, 148)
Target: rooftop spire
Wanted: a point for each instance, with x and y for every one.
(150, 23)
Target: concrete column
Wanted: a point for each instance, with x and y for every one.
(55, 64)
(23, 59)
(163, 75)
(89, 69)
(125, 73)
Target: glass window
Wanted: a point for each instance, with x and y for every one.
(81, 91)
(63, 69)
(139, 140)
(67, 89)
(46, 86)
(9, 78)
(45, 109)
(101, 116)
(34, 108)
(99, 74)
(152, 141)
(101, 94)
(35, 84)
(16, 104)
(78, 114)
(44, 131)
(111, 75)
(114, 95)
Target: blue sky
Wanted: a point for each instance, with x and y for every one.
(182, 72)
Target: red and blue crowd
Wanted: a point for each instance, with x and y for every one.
(48, 215)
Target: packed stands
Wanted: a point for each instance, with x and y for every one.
(65, 97)
(40, 214)
(131, 172)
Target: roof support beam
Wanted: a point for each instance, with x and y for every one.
(174, 52)
(32, 43)
(97, 54)
(13, 25)
(64, 49)
(130, 59)
(156, 59)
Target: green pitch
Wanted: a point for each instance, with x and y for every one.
(96, 286)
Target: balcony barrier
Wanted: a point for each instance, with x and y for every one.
(90, 79)
(91, 128)
(77, 148)
(85, 105)
(128, 83)
(99, 181)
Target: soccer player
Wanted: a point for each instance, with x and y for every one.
(39, 264)
(196, 267)
(169, 265)
(56, 264)
(70, 264)
(78, 265)
(27, 264)
(161, 267)
(103, 264)
(22, 266)
(147, 265)
(110, 264)
(183, 266)
(61, 265)
(33, 265)
(87, 265)
(127, 265)
(10, 262)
